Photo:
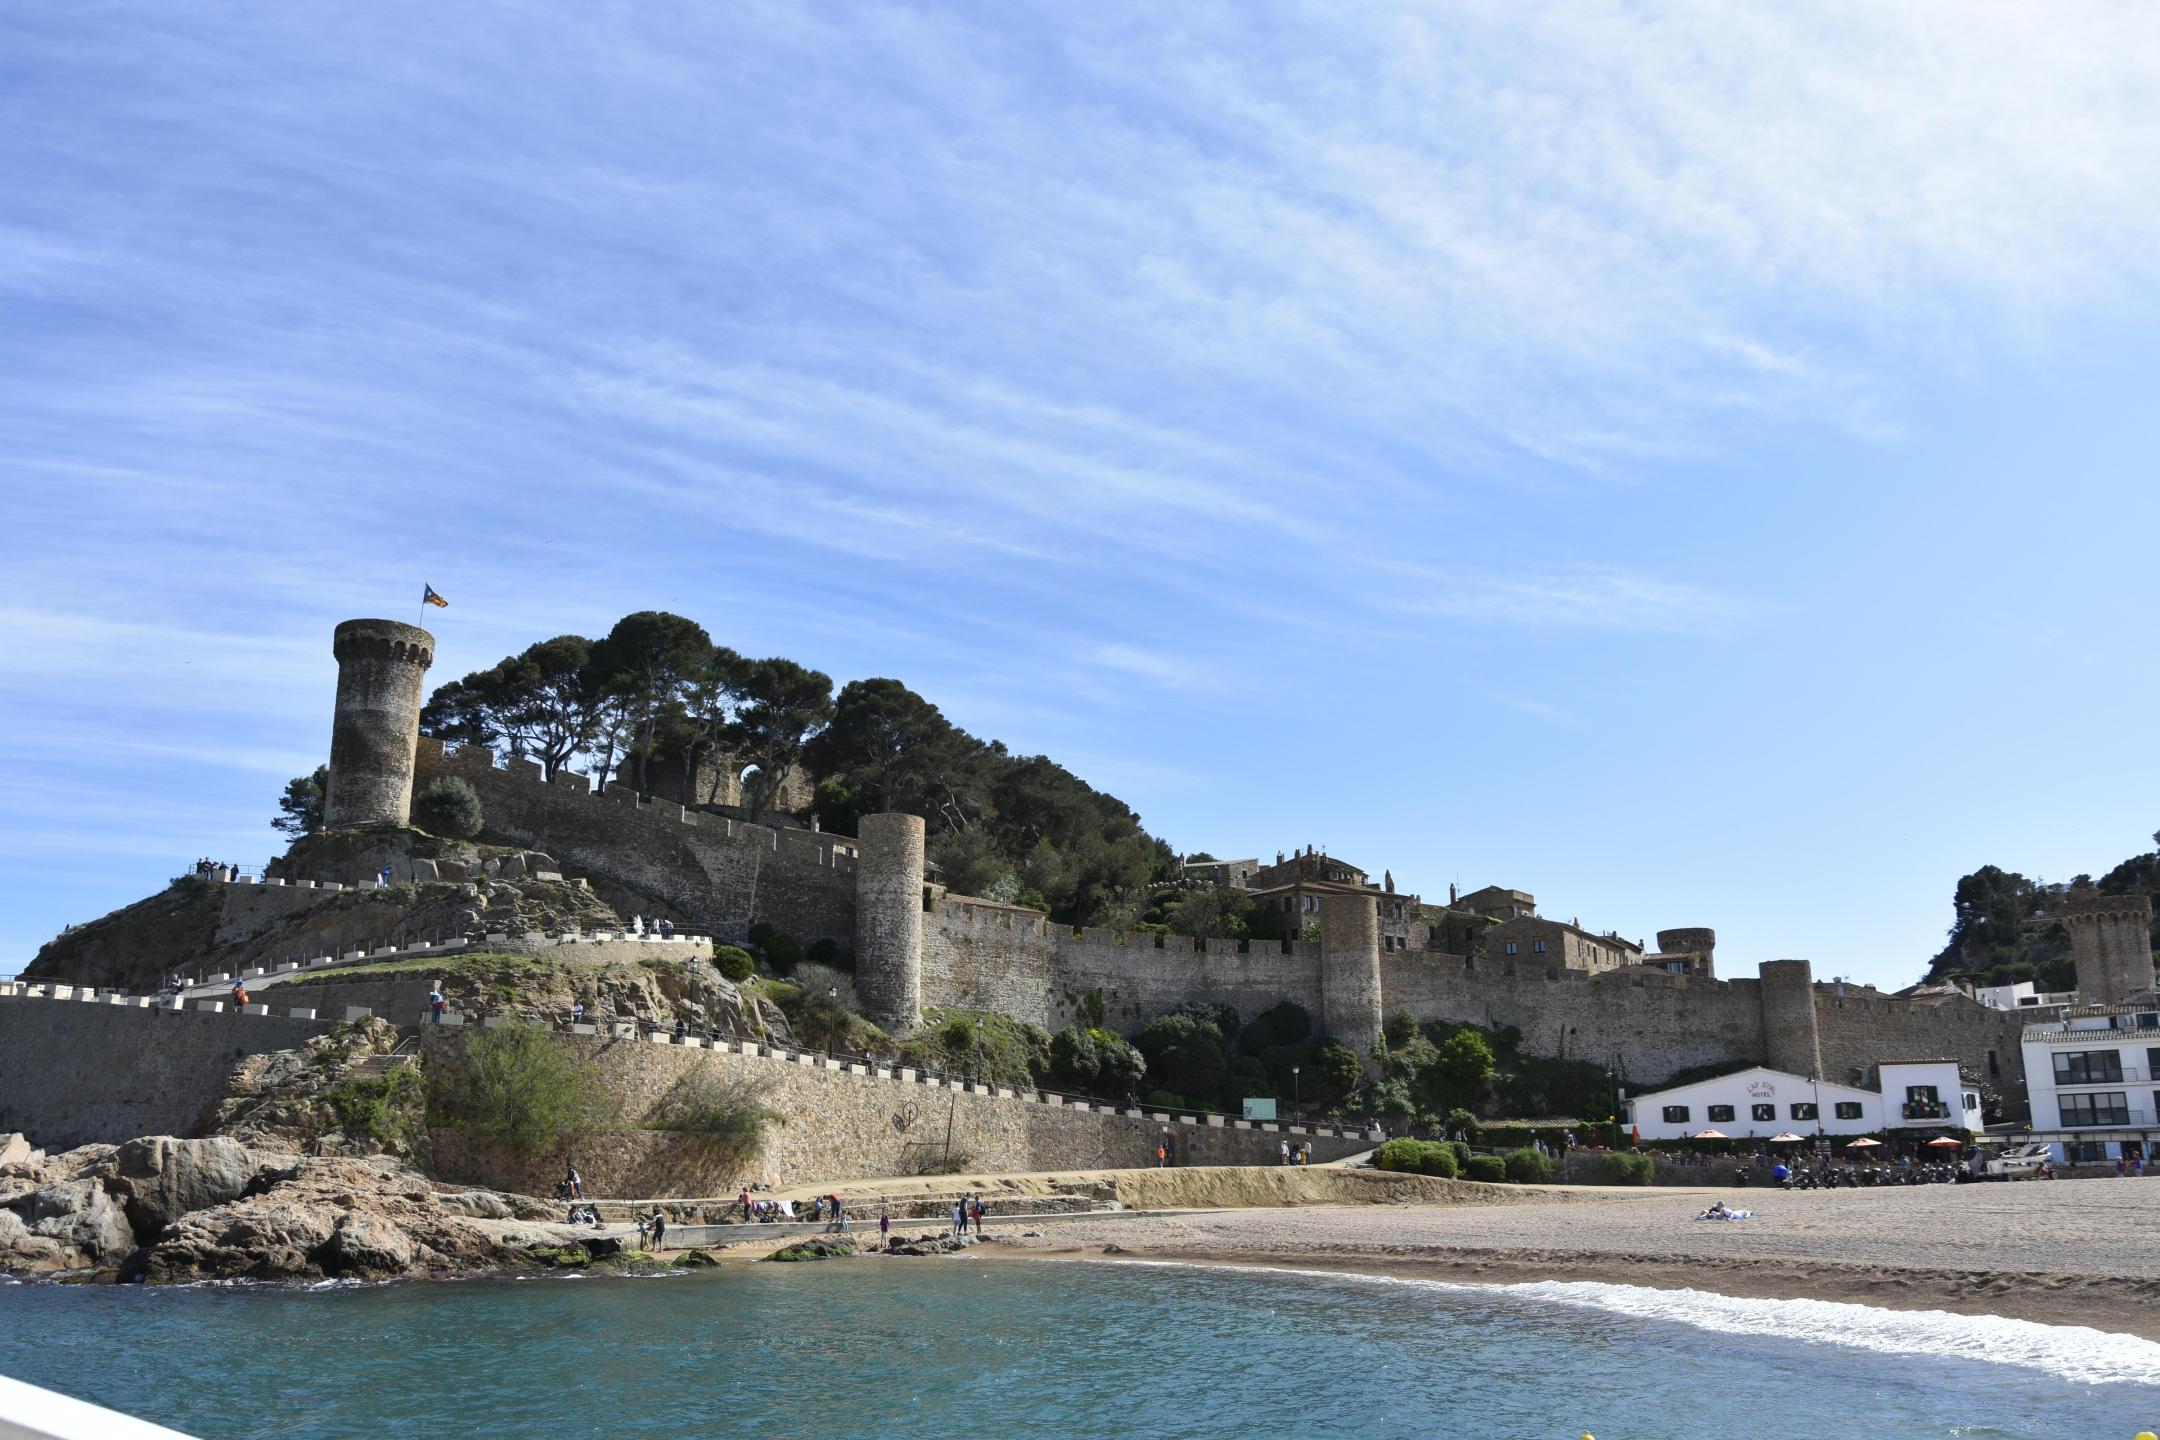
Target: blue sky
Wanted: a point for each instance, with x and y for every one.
(1690, 463)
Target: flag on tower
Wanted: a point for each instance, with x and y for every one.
(429, 597)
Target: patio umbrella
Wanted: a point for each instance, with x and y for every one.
(1863, 1143)
(1713, 1135)
(1942, 1141)
(1788, 1138)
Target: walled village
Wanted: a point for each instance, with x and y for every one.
(764, 1004)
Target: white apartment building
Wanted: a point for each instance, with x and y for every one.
(2091, 1080)
(2021, 996)
(1760, 1102)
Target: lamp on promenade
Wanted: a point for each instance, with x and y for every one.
(1297, 1103)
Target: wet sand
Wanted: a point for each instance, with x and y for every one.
(2063, 1253)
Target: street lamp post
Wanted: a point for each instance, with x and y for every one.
(832, 1016)
(1297, 1099)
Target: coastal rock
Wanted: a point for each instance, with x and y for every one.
(80, 1217)
(15, 1149)
(478, 1205)
(362, 1245)
(256, 1238)
(163, 1179)
(817, 1247)
(933, 1244)
(21, 1250)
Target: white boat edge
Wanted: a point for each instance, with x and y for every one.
(29, 1413)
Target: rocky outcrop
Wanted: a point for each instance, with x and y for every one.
(931, 1244)
(162, 1179)
(441, 890)
(161, 1209)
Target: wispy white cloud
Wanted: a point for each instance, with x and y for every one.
(1033, 356)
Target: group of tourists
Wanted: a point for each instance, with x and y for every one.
(664, 928)
(217, 870)
(962, 1212)
(1298, 1154)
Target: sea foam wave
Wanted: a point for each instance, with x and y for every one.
(2076, 1353)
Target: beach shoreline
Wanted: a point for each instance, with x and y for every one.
(2113, 1304)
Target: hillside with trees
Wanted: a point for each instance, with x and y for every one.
(657, 700)
(2003, 930)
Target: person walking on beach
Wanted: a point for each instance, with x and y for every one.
(884, 1229)
(959, 1218)
(659, 1228)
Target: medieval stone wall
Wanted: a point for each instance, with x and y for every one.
(994, 957)
(721, 875)
(1645, 1024)
(839, 1125)
(78, 1072)
(1862, 1028)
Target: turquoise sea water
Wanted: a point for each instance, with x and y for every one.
(974, 1349)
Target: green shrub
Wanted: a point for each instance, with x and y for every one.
(831, 954)
(1622, 1167)
(1095, 1061)
(1398, 1155)
(448, 806)
(1489, 1168)
(387, 1108)
(988, 1047)
(734, 962)
(1529, 1167)
(1461, 1152)
(1165, 1100)
(1463, 1121)
(777, 946)
(1420, 1157)
(521, 1088)
(727, 1111)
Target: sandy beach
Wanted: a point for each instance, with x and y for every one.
(2067, 1253)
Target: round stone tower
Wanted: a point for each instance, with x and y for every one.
(1350, 971)
(381, 664)
(1790, 1039)
(889, 918)
(1697, 940)
(2111, 940)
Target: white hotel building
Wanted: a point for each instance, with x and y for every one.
(2091, 1079)
(1760, 1102)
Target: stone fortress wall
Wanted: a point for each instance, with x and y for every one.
(978, 954)
(854, 1122)
(719, 875)
(80, 1068)
(917, 947)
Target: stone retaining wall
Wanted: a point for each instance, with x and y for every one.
(848, 1123)
(76, 1072)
